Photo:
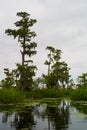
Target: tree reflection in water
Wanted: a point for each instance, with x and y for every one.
(81, 107)
(20, 120)
(56, 118)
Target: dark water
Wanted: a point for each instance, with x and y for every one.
(61, 116)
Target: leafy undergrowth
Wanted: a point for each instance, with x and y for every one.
(13, 96)
(47, 93)
(9, 96)
(79, 95)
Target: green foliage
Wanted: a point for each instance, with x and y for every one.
(9, 81)
(58, 71)
(47, 93)
(82, 80)
(8, 96)
(24, 35)
(79, 94)
(24, 75)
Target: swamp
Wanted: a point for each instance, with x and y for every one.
(40, 92)
(45, 115)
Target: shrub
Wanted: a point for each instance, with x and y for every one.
(8, 96)
(47, 93)
(79, 94)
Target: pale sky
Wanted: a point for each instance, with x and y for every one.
(60, 23)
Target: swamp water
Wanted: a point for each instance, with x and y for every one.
(45, 116)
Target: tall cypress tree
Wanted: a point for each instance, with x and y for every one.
(25, 70)
(58, 71)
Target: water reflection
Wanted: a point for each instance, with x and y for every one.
(58, 118)
(61, 116)
(38, 117)
(81, 107)
(23, 119)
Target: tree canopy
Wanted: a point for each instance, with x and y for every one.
(58, 71)
(24, 35)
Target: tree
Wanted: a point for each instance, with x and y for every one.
(50, 59)
(58, 71)
(82, 80)
(24, 35)
(61, 72)
(26, 78)
(9, 81)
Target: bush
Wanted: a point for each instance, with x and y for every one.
(8, 96)
(47, 93)
(79, 94)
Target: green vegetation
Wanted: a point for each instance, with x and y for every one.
(58, 71)
(11, 96)
(26, 70)
(46, 93)
(22, 77)
(79, 95)
(19, 84)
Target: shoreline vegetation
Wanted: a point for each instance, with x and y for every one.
(14, 96)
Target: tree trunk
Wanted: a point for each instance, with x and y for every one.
(23, 60)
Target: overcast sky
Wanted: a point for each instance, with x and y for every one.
(60, 23)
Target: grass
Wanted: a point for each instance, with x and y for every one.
(9, 96)
(13, 96)
(47, 93)
(79, 94)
